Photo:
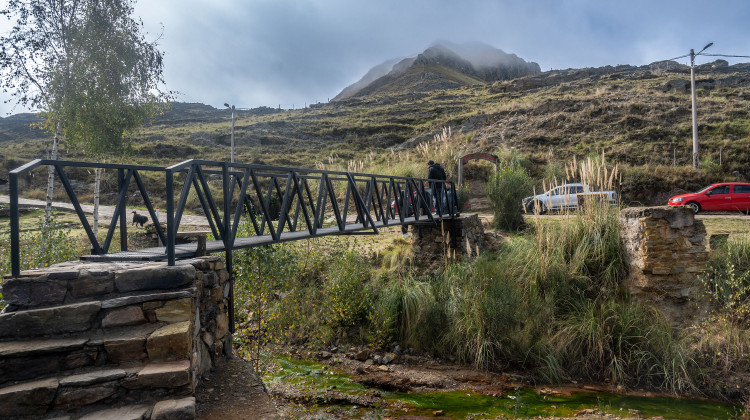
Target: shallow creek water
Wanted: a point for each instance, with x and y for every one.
(317, 380)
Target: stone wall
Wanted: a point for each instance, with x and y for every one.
(462, 236)
(665, 249)
(77, 335)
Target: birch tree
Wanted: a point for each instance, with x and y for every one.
(86, 65)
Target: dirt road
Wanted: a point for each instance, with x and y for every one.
(105, 212)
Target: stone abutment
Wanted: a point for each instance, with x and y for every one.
(665, 250)
(112, 340)
(461, 236)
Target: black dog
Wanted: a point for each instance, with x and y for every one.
(138, 219)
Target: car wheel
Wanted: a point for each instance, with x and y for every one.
(695, 206)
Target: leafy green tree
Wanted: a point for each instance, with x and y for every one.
(86, 65)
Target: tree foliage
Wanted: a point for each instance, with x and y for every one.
(86, 65)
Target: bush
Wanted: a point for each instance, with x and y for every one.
(623, 343)
(726, 282)
(49, 244)
(346, 298)
(506, 189)
(42, 247)
(489, 319)
(402, 311)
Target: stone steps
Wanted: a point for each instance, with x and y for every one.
(43, 357)
(168, 409)
(66, 283)
(72, 394)
(114, 340)
(62, 319)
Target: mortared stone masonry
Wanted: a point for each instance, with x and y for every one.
(89, 340)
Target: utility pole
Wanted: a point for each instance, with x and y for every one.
(692, 56)
(231, 153)
(695, 110)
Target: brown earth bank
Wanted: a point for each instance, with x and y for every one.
(234, 391)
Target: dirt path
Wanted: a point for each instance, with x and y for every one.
(105, 212)
(233, 391)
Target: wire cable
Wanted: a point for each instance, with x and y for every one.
(725, 55)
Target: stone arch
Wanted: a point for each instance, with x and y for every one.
(471, 156)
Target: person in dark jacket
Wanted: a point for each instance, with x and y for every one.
(436, 172)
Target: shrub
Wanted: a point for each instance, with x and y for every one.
(346, 297)
(487, 315)
(47, 245)
(402, 311)
(261, 275)
(42, 247)
(722, 348)
(506, 189)
(726, 282)
(623, 343)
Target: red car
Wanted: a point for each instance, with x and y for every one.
(726, 196)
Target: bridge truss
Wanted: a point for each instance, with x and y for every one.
(245, 205)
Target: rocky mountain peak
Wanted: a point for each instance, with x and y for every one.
(476, 61)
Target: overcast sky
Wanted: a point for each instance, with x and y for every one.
(293, 52)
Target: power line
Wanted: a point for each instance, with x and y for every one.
(676, 58)
(711, 55)
(725, 55)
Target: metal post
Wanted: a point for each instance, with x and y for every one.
(460, 172)
(232, 136)
(231, 153)
(695, 110)
(123, 213)
(15, 246)
(171, 234)
(228, 243)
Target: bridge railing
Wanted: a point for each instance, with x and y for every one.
(271, 199)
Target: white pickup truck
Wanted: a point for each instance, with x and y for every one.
(568, 196)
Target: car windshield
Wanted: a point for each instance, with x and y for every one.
(705, 189)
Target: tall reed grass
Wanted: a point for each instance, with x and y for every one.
(550, 301)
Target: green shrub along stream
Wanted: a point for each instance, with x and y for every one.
(550, 302)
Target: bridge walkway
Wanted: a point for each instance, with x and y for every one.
(189, 250)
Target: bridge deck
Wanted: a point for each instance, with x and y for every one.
(184, 251)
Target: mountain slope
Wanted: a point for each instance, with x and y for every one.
(442, 66)
(639, 116)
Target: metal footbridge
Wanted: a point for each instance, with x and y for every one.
(245, 205)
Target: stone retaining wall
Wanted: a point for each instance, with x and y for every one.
(462, 236)
(665, 249)
(83, 333)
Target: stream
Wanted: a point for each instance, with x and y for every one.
(319, 390)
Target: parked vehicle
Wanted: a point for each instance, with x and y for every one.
(568, 196)
(725, 196)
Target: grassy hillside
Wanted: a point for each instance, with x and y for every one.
(639, 116)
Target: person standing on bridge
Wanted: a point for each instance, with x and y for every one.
(436, 172)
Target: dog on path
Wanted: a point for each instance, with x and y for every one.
(138, 219)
